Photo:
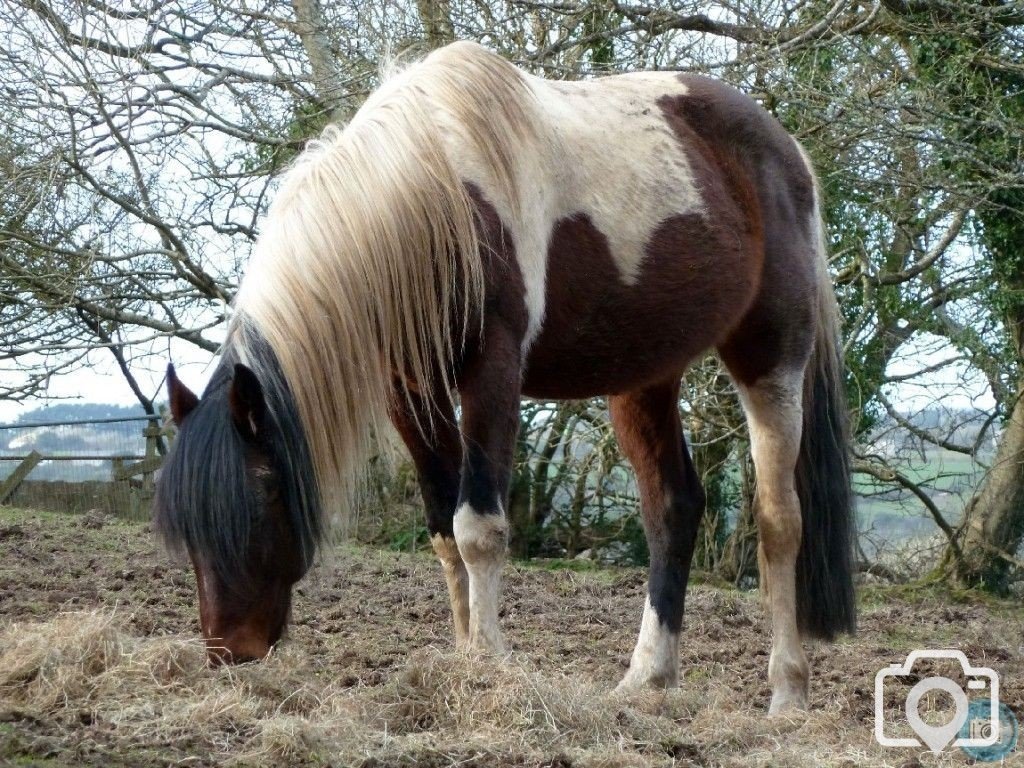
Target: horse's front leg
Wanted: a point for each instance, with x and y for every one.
(431, 434)
(489, 388)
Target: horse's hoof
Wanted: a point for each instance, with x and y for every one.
(632, 683)
(492, 648)
(787, 704)
(626, 686)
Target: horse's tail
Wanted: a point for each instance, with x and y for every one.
(825, 597)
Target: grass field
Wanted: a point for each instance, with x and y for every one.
(894, 520)
(100, 665)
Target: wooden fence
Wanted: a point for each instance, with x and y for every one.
(126, 493)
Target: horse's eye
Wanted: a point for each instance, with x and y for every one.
(273, 492)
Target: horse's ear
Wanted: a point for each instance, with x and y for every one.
(248, 408)
(183, 400)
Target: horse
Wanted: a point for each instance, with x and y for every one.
(477, 234)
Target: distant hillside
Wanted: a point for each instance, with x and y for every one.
(72, 439)
(961, 426)
(78, 412)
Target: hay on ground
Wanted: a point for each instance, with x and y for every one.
(128, 694)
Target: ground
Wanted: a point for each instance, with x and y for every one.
(100, 665)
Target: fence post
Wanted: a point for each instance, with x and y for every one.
(10, 485)
(122, 487)
(152, 434)
(145, 494)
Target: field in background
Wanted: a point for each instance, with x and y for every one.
(82, 457)
(892, 520)
(368, 676)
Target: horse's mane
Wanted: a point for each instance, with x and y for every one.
(368, 262)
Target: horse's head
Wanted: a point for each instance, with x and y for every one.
(228, 493)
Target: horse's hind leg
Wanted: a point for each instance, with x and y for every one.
(438, 458)
(774, 409)
(671, 501)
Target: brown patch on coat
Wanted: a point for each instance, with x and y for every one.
(435, 447)
(731, 123)
(601, 336)
(758, 156)
(505, 293)
(490, 371)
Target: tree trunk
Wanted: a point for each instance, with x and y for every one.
(993, 527)
(312, 31)
(995, 517)
(739, 557)
(711, 460)
(956, 63)
(436, 17)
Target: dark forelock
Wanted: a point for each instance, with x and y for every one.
(205, 500)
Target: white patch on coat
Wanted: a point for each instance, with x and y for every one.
(605, 150)
(617, 159)
(655, 661)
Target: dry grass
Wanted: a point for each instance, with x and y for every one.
(361, 681)
(147, 697)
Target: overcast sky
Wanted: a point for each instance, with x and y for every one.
(102, 382)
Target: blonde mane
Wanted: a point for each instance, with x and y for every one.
(371, 249)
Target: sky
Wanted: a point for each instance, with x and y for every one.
(102, 381)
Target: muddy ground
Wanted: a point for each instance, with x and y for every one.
(362, 614)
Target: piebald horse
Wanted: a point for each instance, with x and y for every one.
(479, 234)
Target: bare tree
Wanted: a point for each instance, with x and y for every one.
(144, 139)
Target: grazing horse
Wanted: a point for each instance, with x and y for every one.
(478, 233)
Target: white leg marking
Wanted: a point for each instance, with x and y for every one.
(458, 585)
(483, 540)
(774, 411)
(655, 662)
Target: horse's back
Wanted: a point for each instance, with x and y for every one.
(650, 216)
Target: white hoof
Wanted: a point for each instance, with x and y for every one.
(788, 702)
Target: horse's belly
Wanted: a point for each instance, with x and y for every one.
(601, 367)
(602, 334)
